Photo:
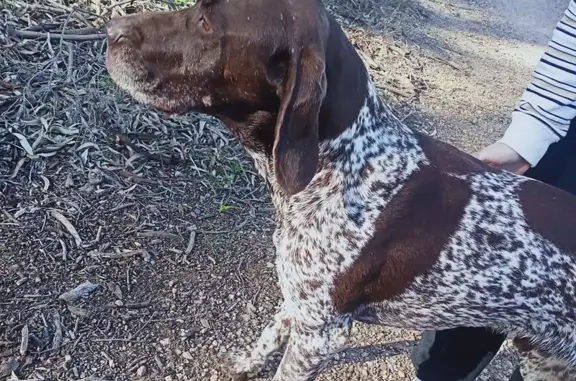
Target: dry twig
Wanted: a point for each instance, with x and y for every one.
(55, 36)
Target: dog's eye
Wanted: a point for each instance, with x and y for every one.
(204, 24)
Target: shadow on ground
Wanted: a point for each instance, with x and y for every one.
(416, 20)
(373, 352)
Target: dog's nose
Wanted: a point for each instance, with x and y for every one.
(118, 29)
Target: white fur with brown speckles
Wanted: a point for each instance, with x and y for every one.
(471, 284)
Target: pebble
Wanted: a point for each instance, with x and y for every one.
(95, 176)
(187, 355)
(165, 341)
(141, 371)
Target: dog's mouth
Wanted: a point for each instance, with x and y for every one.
(130, 75)
(134, 80)
(171, 106)
(170, 111)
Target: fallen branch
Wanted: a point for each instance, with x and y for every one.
(131, 306)
(55, 28)
(57, 339)
(9, 216)
(445, 62)
(120, 255)
(394, 90)
(157, 234)
(54, 36)
(191, 241)
(25, 340)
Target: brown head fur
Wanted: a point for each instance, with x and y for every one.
(262, 66)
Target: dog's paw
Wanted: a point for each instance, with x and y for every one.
(238, 367)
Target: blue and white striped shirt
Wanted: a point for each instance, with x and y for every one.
(549, 102)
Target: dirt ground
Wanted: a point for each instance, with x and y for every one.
(163, 224)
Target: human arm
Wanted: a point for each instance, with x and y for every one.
(546, 107)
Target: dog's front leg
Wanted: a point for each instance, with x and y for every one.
(245, 365)
(310, 349)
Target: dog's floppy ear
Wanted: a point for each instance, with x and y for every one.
(295, 151)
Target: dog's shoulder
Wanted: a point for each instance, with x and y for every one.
(447, 158)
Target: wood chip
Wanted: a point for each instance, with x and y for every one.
(141, 371)
(115, 289)
(95, 176)
(107, 356)
(159, 363)
(24, 341)
(69, 181)
(68, 225)
(46, 183)
(157, 234)
(205, 323)
(8, 366)
(80, 291)
(13, 219)
(123, 254)
(64, 251)
(78, 311)
(135, 306)
(191, 241)
(57, 340)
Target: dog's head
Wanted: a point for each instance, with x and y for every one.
(234, 59)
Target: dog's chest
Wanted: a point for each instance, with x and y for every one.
(312, 248)
(321, 233)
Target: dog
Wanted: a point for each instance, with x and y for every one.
(376, 222)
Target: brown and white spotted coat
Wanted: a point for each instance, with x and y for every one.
(375, 222)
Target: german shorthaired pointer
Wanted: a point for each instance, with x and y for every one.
(375, 222)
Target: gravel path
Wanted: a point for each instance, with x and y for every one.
(496, 43)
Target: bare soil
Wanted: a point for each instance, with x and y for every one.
(163, 223)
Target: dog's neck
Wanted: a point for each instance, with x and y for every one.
(348, 86)
(353, 121)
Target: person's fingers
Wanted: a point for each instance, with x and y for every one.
(523, 168)
(499, 155)
(489, 154)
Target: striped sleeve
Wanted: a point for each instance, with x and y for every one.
(549, 102)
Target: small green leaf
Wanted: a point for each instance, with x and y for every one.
(224, 208)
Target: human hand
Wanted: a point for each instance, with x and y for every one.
(501, 156)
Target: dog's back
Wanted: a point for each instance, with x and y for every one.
(463, 244)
